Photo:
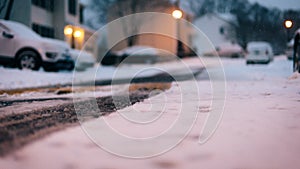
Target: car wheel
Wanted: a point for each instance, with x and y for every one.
(28, 60)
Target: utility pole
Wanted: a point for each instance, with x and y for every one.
(180, 50)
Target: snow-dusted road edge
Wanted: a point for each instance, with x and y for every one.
(20, 79)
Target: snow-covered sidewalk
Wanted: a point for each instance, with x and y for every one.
(260, 128)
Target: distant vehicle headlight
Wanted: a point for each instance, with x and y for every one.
(51, 55)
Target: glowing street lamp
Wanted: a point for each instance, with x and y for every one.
(77, 34)
(177, 14)
(70, 30)
(288, 24)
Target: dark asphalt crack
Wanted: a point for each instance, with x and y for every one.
(4, 103)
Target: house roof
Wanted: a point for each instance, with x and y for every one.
(84, 2)
(227, 17)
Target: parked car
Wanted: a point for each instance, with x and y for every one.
(135, 54)
(111, 58)
(83, 59)
(259, 52)
(22, 47)
(227, 50)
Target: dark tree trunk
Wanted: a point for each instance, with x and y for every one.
(9, 9)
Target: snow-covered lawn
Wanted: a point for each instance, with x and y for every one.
(260, 128)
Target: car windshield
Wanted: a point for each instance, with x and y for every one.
(256, 51)
(19, 29)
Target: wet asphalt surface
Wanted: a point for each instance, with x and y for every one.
(16, 130)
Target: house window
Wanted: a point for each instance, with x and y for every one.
(81, 8)
(72, 5)
(45, 4)
(44, 31)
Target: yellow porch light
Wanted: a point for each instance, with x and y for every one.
(68, 30)
(77, 34)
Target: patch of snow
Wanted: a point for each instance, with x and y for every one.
(138, 50)
(15, 78)
(20, 29)
(228, 17)
(295, 75)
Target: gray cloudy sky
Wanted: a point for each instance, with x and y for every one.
(281, 4)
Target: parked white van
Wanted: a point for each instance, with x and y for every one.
(259, 52)
(21, 46)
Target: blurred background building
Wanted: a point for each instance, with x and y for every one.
(170, 25)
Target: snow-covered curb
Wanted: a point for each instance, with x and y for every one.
(14, 78)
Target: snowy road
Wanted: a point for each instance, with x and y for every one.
(260, 128)
(32, 116)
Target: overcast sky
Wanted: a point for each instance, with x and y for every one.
(281, 4)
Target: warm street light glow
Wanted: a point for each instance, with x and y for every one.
(74, 36)
(288, 24)
(77, 34)
(68, 30)
(177, 14)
